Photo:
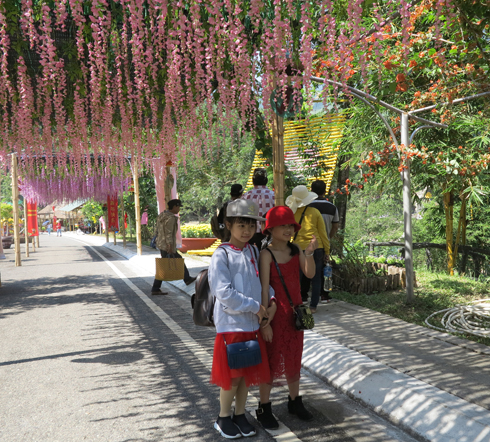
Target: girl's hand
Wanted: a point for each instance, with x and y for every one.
(266, 333)
(262, 313)
(271, 311)
(312, 246)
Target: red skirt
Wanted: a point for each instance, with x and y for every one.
(222, 374)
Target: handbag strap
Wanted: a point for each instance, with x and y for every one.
(224, 339)
(300, 221)
(280, 276)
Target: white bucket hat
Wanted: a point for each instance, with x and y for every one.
(301, 197)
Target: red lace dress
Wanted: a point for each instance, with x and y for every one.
(286, 349)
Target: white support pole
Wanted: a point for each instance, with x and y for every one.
(407, 211)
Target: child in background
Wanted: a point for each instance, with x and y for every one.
(238, 312)
(284, 341)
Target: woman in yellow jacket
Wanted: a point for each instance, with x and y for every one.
(312, 224)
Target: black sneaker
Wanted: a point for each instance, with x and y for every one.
(265, 416)
(227, 428)
(245, 427)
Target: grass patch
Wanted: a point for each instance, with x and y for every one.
(435, 292)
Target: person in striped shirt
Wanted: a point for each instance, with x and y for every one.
(263, 197)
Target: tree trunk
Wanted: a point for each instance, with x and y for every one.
(428, 256)
(477, 264)
(461, 222)
(464, 259)
(448, 209)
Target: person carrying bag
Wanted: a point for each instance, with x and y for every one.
(239, 357)
(171, 266)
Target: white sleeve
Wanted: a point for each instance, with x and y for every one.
(220, 282)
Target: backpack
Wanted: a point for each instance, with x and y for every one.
(217, 232)
(202, 301)
(218, 226)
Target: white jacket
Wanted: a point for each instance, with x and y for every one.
(234, 280)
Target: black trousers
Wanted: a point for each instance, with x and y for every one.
(157, 283)
(316, 282)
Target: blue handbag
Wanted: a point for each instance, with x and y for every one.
(243, 354)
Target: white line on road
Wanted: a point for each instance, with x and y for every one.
(283, 434)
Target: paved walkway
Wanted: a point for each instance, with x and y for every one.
(434, 385)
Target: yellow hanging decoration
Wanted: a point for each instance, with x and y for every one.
(324, 131)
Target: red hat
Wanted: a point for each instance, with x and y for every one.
(280, 216)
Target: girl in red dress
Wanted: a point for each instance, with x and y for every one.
(284, 342)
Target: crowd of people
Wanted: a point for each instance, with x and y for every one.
(269, 257)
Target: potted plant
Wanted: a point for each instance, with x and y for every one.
(196, 237)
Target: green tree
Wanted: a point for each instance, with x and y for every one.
(92, 210)
(5, 188)
(204, 182)
(6, 211)
(440, 68)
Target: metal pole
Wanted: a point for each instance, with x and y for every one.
(407, 212)
(137, 210)
(15, 198)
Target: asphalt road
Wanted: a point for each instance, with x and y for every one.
(87, 354)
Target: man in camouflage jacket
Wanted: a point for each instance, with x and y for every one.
(166, 231)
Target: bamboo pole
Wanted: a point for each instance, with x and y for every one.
(448, 209)
(278, 159)
(2, 254)
(123, 225)
(15, 198)
(38, 230)
(137, 209)
(26, 230)
(461, 223)
(106, 218)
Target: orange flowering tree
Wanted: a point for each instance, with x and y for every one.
(431, 68)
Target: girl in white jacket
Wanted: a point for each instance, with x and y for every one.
(238, 313)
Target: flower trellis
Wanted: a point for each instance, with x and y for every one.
(127, 78)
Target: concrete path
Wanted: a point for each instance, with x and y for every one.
(87, 353)
(434, 385)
